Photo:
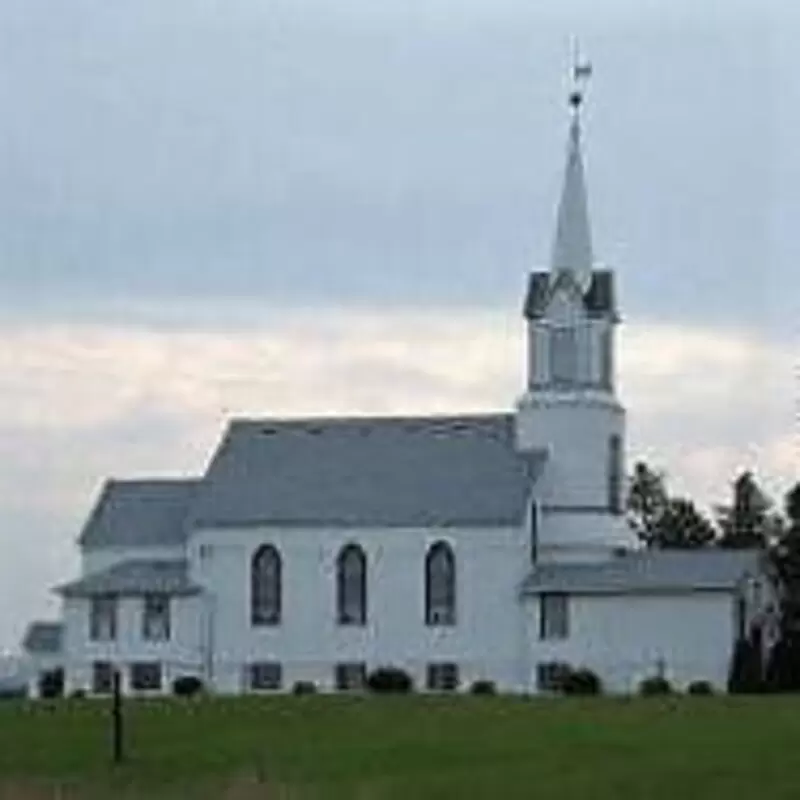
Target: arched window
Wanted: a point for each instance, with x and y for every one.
(351, 586)
(440, 585)
(265, 586)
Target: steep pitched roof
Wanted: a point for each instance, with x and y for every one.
(43, 638)
(381, 471)
(572, 245)
(139, 513)
(661, 571)
(134, 577)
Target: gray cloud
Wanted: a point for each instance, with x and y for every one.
(303, 155)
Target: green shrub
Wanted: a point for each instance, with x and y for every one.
(583, 681)
(304, 687)
(700, 688)
(187, 686)
(747, 670)
(783, 664)
(655, 685)
(483, 687)
(51, 683)
(390, 680)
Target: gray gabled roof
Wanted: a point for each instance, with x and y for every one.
(599, 299)
(134, 513)
(43, 638)
(381, 471)
(134, 578)
(653, 571)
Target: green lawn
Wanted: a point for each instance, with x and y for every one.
(419, 747)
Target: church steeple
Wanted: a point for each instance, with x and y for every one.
(572, 245)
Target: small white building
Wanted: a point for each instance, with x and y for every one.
(459, 548)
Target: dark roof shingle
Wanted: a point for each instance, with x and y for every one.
(134, 513)
(43, 638)
(660, 571)
(134, 577)
(381, 471)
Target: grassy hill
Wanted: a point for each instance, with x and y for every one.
(418, 747)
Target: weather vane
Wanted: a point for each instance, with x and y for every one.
(581, 72)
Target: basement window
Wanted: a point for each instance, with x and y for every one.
(351, 676)
(146, 676)
(443, 677)
(266, 676)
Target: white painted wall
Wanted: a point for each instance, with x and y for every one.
(486, 642)
(622, 638)
(572, 491)
(181, 655)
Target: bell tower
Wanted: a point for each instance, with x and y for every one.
(570, 408)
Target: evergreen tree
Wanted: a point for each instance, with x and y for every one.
(783, 668)
(647, 500)
(746, 671)
(661, 521)
(682, 526)
(746, 522)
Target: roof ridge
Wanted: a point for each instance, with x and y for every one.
(332, 420)
(152, 481)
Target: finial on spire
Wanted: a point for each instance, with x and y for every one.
(572, 246)
(581, 72)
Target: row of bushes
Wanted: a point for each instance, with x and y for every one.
(391, 680)
(586, 682)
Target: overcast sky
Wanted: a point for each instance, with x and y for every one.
(299, 206)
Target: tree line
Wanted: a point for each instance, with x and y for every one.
(751, 519)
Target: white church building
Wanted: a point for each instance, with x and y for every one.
(458, 548)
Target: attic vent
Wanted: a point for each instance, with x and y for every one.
(460, 426)
(314, 430)
(269, 431)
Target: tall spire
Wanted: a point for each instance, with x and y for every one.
(572, 246)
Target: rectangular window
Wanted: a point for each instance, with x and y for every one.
(103, 618)
(442, 677)
(156, 618)
(266, 676)
(102, 677)
(615, 474)
(563, 356)
(553, 616)
(535, 521)
(351, 676)
(550, 675)
(146, 676)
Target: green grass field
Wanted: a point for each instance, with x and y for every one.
(418, 747)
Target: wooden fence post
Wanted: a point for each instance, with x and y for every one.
(117, 719)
